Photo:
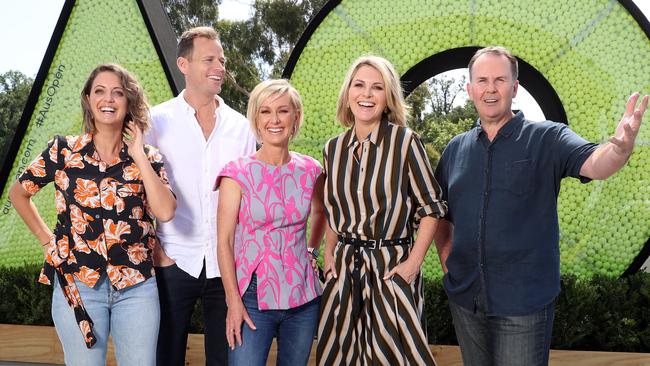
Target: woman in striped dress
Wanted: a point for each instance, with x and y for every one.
(379, 192)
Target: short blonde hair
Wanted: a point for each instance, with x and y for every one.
(397, 108)
(137, 105)
(267, 89)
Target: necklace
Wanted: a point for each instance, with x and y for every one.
(99, 158)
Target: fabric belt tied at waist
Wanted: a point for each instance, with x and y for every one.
(356, 271)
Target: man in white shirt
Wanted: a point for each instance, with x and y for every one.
(198, 134)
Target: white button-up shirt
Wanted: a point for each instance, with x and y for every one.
(192, 164)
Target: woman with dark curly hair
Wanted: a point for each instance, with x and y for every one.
(108, 189)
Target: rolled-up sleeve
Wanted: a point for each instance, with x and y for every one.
(424, 188)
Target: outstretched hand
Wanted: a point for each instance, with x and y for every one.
(628, 127)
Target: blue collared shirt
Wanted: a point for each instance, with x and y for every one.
(502, 197)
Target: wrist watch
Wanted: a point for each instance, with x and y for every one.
(313, 251)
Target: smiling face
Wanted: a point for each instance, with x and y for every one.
(205, 68)
(107, 100)
(367, 95)
(492, 88)
(276, 120)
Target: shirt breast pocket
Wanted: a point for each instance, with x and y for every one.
(520, 175)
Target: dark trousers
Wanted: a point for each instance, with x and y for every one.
(178, 292)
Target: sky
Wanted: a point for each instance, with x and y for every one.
(35, 30)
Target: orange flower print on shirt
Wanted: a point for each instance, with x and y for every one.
(114, 232)
(63, 247)
(91, 160)
(130, 189)
(77, 143)
(85, 330)
(137, 253)
(71, 290)
(72, 160)
(123, 276)
(42, 278)
(99, 245)
(131, 172)
(30, 187)
(136, 213)
(79, 244)
(87, 193)
(88, 276)
(72, 259)
(59, 202)
(37, 167)
(147, 228)
(61, 179)
(79, 219)
(108, 188)
(54, 150)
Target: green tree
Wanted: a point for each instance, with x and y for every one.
(281, 23)
(434, 117)
(257, 48)
(185, 14)
(14, 90)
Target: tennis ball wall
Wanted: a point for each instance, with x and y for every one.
(594, 53)
(95, 32)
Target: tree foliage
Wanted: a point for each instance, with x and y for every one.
(185, 14)
(434, 116)
(14, 90)
(256, 48)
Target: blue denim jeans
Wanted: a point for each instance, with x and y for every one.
(131, 316)
(503, 340)
(294, 329)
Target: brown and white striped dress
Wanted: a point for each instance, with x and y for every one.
(381, 194)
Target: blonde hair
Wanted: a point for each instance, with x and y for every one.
(397, 110)
(137, 106)
(273, 88)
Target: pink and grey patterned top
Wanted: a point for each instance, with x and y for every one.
(270, 237)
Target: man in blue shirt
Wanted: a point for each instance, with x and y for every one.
(499, 243)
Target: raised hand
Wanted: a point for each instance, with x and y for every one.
(628, 127)
(134, 139)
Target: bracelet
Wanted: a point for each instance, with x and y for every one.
(47, 242)
(314, 252)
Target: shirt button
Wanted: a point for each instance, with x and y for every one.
(96, 216)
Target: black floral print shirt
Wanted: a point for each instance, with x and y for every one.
(104, 223)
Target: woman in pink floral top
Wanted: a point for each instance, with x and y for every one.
(268, 271)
